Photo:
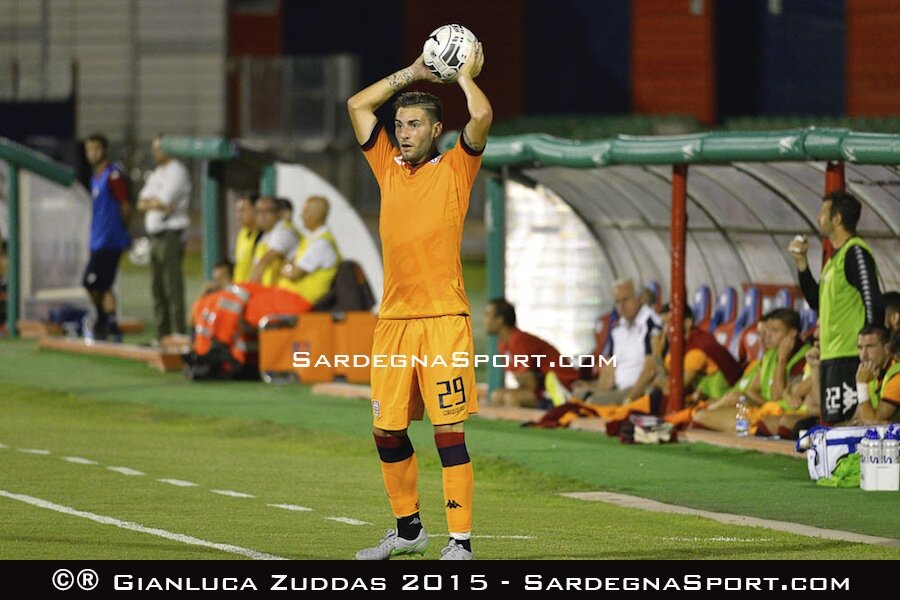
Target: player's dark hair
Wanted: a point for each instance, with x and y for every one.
(891, 301)
(505, 310)
(285, 204)
(429, 102)
(251, 196)
(846, 205)
(667, 308)
(99, 138)
(227, 264)
(894, 345)
(788, 316)
(881, 331)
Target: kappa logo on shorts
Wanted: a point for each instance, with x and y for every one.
(376, 407)
(453, 504)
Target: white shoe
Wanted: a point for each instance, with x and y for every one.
(394, 545)
(455, 551)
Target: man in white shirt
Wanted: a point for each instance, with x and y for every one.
(277, 244)
(631, 336)
(165, 200)
(315, 263)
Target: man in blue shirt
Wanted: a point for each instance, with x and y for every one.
(109, 233)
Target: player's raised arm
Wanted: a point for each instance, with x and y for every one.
(363, 104)
(480, 112)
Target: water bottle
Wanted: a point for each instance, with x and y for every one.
(869, 449)
(889, 475)
(742, 418)
(87, 329)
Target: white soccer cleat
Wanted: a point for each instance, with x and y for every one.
(393, 545)
(455, 551)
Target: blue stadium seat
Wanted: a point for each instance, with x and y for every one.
(602, 339)
(726, 308)
(657, 291)
(808, 320)
(701, 304)
(751, 309)
(783, 298)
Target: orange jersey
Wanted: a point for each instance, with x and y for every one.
(421, 224)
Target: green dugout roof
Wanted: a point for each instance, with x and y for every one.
(748, 194)
(810, 144)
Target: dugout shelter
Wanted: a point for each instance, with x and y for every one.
(716, 210)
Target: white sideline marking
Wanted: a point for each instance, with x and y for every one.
(291, 507)
(178, 482)
(3, 446)
(347, 520)
(233, 494)
(125, 471)
(79, 461)
(176, 537)
(34, 451)
(627, 501)
(492, 537)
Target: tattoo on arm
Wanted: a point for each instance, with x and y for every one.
(400, 79)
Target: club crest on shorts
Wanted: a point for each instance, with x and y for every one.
(376, 407)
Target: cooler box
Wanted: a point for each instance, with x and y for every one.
(281, 336)
(315, 339)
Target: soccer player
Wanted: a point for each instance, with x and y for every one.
(109, 233)
(847, 298)
(424, 310)
(530, 373)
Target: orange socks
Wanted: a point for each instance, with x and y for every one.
(459, 480)
(401, 473)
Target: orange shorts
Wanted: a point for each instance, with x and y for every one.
(403, 388)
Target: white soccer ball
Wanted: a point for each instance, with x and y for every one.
(447, 49)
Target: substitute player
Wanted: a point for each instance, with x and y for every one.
(109, 233)
(424, 310)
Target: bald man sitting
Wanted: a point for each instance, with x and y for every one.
(315, 263)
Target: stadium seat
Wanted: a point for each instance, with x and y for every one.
(657, 291)
(748, 344)
(751, 309)
(701, 304)
(783, 299)
(602, 341)
(808, 320)
(726, 309)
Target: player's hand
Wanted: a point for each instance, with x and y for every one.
(866, 371)
(421, 72)
(289, 272)
(472, 67)
(812, 357)
(787, 344)
(798, 248)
